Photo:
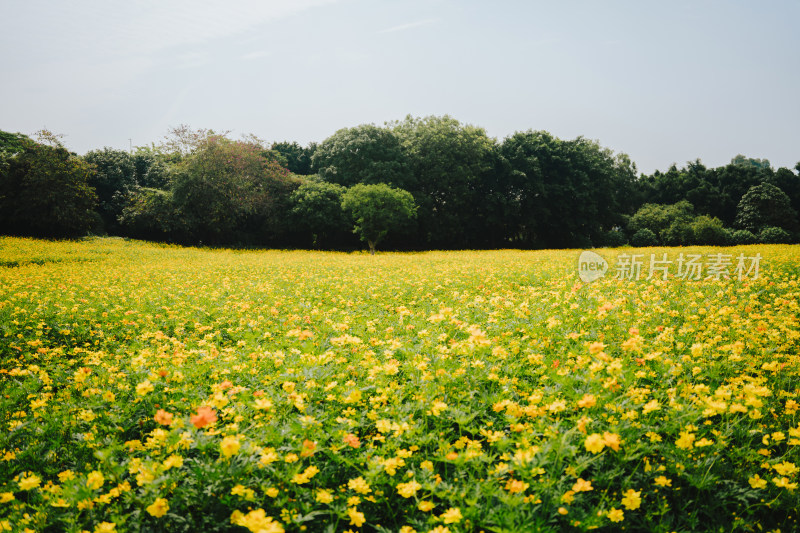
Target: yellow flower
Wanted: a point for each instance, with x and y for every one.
(230, 446)
(324, 496)
(663, 481)
(515, 485)
(105, 527)
(650, 406)
(6, 497)
(263, 404)
(173, 461)
(784, 483)
(785, 468)
(440, 529)
(244, 492)
(407, 529)
(407, 490)
(425, 506)
(95, 480)
(616, 515)
(611, 440)
(582, 485)
(594, 443)
(685, 441)
(305, 476)
(756, 482)
(359, 485)
(562, 510)
(451, 516)
(29, 481)
(143, 388)
(257, 521)
(438, 407)
(587, 401)
(632, 499)
(356, 517)
(158, 508)
(272, 492)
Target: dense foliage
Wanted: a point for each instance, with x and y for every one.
(157, 388)
(530, 190)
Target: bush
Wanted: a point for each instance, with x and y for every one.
(679, 233)
(614, 239)
(644, 237)
(742, 236)
(773, 235)
(151, 214)
(708, 231)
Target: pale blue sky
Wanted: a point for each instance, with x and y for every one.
(661, 81)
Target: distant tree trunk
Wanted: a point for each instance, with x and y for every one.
(371, 247)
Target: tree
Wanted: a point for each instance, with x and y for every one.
(363, 154)
(44, 191)
(151, 214)
(376, 210)
(452, 165)
(317, 211)
(763, 206)
(228, 191)
(298, 158)
(12, 143)
(113, 180)
(568, 193)
(152, 168)
(670, 223)
(708, 231)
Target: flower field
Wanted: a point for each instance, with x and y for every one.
(157, 388)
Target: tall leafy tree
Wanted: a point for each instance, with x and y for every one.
(363, 154)
(450, 163)
(298, 158)
(317, 212)
(764, 206)
(376, 210)
(113, 180)
(45, 191)
(228, 191)
(567, 192)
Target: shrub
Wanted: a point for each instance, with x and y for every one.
(773, 235)
(614, 239)
(742, 236)
(644, 237)
(708, 231)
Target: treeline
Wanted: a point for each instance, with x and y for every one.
(421, 183)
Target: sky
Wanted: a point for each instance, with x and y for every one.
(664, 82)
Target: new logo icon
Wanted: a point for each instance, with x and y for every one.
(591, 266)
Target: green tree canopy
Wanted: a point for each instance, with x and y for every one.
(228, 191)
(376, 210)
(567, 193)
(113, 180)
(298, 158)
(45, 192)
(451, 163)
(363, 154)
(317, 211)
(764, 206)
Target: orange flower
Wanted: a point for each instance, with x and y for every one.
(351, 440)
(164, 418)
(205, 416)
(308, 448)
